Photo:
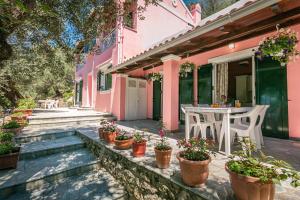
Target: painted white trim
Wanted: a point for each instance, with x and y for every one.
(166, 7)
(105, 91)
(104, 65)
(170, 57)
(258, 5)
(235, 56)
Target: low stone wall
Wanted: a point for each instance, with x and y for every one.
(139, 181)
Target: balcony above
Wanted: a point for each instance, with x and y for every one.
(106, 42)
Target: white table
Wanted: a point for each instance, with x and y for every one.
(225, 124)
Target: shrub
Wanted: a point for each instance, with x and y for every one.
(11, 125)
(266, 168)
(6, 148)
(6, 137)
(194, 149)
(27, 103)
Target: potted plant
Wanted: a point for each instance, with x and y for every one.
(254, 177)
(109, 132)
(19, 117)
(25, 106)
(139, 144)
(163, 151)
(194, 161)
(12, 126)
(9, 153)
(103, 123)
(186, 68)
(123, 140)
(154, 77)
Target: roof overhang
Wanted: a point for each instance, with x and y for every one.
(253, 19)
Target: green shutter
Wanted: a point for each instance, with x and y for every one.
(156, 100)
(108, 81)
(205, 84)
(271, 89)
(186, 93)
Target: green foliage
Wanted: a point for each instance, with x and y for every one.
(155, 77)
(17, 114)
(6, 137)
(11, 125)
(138, 137)
(109, 127)
(266, 168)
(186, 68)
(123, 135)
(194, 149)
(27, 103)
(6, 148)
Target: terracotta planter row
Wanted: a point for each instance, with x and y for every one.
(27, 112)
(10, 160)
(195, 173)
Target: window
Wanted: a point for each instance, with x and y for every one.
(130, 18)
(104, 81)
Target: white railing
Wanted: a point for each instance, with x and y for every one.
(107, 42)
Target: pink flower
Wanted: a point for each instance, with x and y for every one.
(161, 133)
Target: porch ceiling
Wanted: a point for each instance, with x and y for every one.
(285, 13)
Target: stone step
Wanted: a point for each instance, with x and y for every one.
(33, 173)
(38, 135)
(66, 118)
(74, 122)
(89, 185)
(47, 147)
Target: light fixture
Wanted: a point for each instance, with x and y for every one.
(231, 46)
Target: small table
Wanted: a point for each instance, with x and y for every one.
(225, 124)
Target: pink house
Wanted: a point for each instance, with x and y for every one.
(112, 78)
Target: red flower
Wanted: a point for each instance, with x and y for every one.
(161, 133)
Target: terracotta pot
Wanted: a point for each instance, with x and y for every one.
(10, 160)
(109, 137)
(139, 149)
(163, 158)
(100, 132)
(250, 188)
(16, 131)
(124, 144)
(193, 173)
(21, 120)
(27, 112)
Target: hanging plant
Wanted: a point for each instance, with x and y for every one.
(154, 77)
(186, 68)
(281, 46)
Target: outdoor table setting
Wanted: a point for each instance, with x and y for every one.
(225, 127)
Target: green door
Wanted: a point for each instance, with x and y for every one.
(186, 93)
(205, 84)
(271, 89)
(157, 100)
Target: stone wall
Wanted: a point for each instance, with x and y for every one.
(140, 182)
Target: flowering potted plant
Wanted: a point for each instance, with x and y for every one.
(280, 46)
(103, 123)
(25, 106)
(123, 140)
(194, 161)
(186, 68)
(155, 77)
(163, 151)
(254, 177)
(19, 117)
(139, 144)
(109, 132)
(9, 153)
(12, 127)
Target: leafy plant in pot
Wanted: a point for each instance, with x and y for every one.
(163, 151)
(19, 117)
(123, 140)
(26, 106)
(194, 161)
(139, 144)
(12, 127)
(109, 132)
(254, 177)
(103, 123)
(9, 153)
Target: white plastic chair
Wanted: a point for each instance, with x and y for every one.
(243, 130)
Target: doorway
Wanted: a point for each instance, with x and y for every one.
(186, 93)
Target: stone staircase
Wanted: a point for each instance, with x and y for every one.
(57, 165)
(56, 119)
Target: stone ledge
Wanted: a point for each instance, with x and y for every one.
(143, 180)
